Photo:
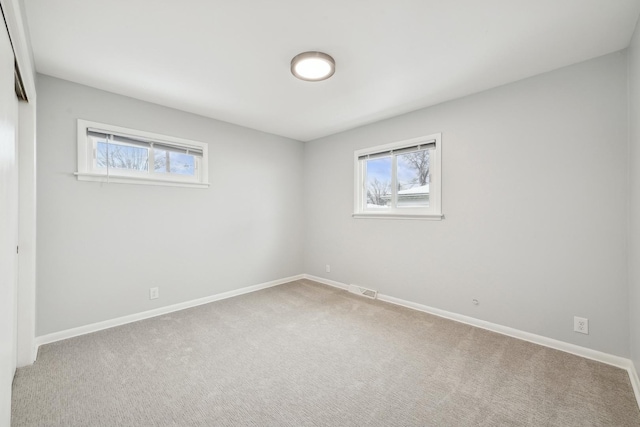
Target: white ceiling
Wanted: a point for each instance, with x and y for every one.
(230, 59)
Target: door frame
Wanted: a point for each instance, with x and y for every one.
(14, 17)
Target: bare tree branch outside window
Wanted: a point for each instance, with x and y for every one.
(123, 157)
(377, 191)
(419, 162)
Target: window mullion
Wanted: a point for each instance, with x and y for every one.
(394, 181)
(152, 160)
(108, 155)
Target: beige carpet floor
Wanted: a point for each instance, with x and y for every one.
(304, 354)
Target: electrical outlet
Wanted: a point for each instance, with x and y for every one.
(581, 325)
(327, 268)
(154, 293)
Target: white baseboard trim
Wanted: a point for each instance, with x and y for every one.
(94, 327)
(609, 359)
(326, 282)
(635, 382)
(585, 352)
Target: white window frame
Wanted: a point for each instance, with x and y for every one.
(433, 212)
(87, 170)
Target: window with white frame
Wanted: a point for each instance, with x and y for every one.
(399, 180)
(108, 153)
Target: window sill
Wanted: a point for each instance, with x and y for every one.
(376, 215)
(137, 180)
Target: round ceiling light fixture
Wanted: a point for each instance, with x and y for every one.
(313, 66)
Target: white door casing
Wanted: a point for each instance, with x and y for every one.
(8, 224)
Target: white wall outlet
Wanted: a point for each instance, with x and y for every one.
(580, 324)
(154, 293)
(327, 268)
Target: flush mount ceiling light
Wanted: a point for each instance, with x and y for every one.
(313, 66)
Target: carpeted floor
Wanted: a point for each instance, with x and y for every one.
(304, 354)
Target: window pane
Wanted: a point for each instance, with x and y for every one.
(378, 183)
(413, 179)
(122, 156)
(172, 162)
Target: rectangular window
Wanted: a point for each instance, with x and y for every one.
(399, 180)
(109, 153)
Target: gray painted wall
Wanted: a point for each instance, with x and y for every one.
(535, 200)
(534, 194)
(634, 195)
(102, 246)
